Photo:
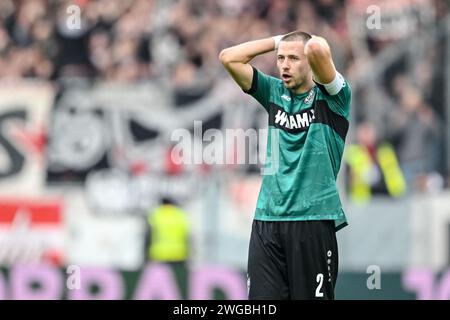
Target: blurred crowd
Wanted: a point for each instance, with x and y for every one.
(132, 40)
(177, 42)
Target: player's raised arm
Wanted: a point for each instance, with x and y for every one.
(319, 57)
(236, 59)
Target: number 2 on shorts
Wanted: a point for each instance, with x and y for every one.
(319, 279)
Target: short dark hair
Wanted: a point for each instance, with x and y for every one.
(297, 36)
(165, 200)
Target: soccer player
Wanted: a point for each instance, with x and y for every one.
(293, 252)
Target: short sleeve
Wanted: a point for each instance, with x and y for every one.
(261, 87)
(338, 95)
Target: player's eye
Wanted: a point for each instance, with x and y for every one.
(280, 58)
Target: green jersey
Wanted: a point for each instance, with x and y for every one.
(305, 144)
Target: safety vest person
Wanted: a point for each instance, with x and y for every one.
(169, 233)
(361, 164)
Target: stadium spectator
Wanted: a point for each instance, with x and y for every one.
(168, 238)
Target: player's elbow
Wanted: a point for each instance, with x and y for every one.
(225, 57)
(316, 49)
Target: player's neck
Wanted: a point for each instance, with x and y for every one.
(303, 88)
